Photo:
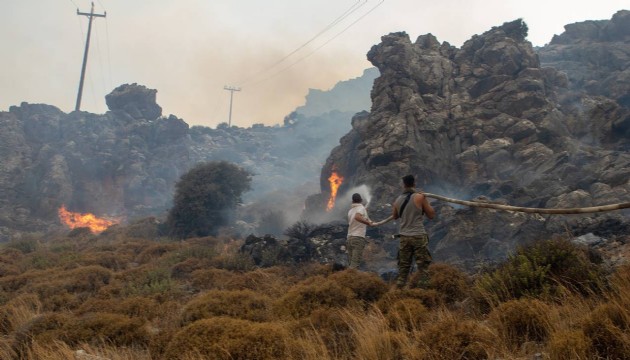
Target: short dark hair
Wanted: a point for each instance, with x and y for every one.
(356, 198)
(409, 180)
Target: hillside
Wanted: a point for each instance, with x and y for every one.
(124, 163)
(126, 294)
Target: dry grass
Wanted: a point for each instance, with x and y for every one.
(116, 297)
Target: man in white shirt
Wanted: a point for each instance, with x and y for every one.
(358, 221)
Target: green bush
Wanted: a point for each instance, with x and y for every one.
(543, 269)
(204, 196)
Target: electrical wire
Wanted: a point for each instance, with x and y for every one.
(321, 46)
(100, 58)
(75, 4)
(109, 60)
(336, 21)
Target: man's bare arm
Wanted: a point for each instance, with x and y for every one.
(360, 218)
(421, 202)
(394, 211)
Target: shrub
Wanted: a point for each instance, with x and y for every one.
(227, 338)
(608, 329)
(428, 298)
(233, 262)
(544, 268)
(25, 245)
(241, 304)
(568, 344)
(453, 338)
(206, 279)
(332, 329)
(314, 293)
(300, 230)
(452, 283)
(366, 286)
(406, 314)
(154, 252)
(18, 311)
(147, 281)
(45, 327)
(203, 198)
(115, 329)
(137, 307)
(519, 321)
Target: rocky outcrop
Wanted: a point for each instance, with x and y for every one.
(351, 95)
(488, 119)
(135, 100)
(595, 56)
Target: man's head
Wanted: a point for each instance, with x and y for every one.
(409, 181)
(356, 198)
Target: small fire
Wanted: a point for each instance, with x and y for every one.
(75, 220)
(335, 181)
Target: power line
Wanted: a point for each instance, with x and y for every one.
(109, 61)
(336, 21)
(321, 46)
(100, 59)
(75, 4)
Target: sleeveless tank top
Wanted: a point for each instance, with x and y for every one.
(411, 218)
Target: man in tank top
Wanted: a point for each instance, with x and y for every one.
(409, 209)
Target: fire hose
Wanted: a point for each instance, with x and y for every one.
(580, 210)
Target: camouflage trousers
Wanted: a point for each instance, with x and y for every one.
(410, 247)
(355, 246)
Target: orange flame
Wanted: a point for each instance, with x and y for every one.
(335, 181)
(75, 220)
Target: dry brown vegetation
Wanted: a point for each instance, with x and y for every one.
(116, 297)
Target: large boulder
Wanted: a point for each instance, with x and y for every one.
(136, 100)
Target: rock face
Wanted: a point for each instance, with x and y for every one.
(489, 119)
(350, 95)
(595, 56)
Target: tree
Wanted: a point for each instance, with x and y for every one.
(204, 198)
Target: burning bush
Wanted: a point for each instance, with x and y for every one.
(227, 338)
(204, 196)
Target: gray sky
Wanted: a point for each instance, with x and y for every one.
(189, 49)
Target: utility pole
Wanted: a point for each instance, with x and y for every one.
(91, 15)
(231, 89)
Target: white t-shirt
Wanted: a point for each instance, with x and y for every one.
(356, 228)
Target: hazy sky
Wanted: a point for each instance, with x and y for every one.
(189, 49)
